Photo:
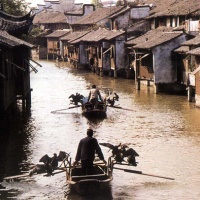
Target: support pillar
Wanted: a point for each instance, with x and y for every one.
(115, 73)
(156, 89)
(148, 83)
(138, 84)
(110, 73)
(189, 92)
(101, 73)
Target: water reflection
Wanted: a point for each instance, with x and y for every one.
(163, 129)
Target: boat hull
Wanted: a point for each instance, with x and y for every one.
(95, 182)
(90, 187)
(99, 112)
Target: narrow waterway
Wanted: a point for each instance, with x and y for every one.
(163, 129)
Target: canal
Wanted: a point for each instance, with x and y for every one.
(163, 129)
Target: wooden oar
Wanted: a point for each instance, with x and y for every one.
(121, 108)
(16, 176)
(62, 169)
(141, 173)
(66, 108)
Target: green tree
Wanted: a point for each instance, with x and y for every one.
(15, 7)
(97, 3)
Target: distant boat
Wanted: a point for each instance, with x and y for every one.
(90, 112)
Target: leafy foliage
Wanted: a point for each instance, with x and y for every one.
(15, 7)
(97, 3)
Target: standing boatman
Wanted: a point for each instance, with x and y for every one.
(87, 148)
(94, 96)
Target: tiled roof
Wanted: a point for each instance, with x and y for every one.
(100, 34)
(49, 18)
(124, 10)
(73, 36)
(15, 24)
(194, 41)
(8, 25)
(141, 25)
(154, 38)
(7, 39)
(195, 52)
(182, 49)
(58, 33)
(173, 7)
(98, 15)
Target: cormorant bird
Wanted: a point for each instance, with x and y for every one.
(121, 151)
(49, 163)
(116, 151)
(111, 99)
(130, 153)
(76, 98)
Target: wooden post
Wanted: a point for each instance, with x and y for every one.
(28, 102)
(110, 73)
(138, 84)
(189, 92)
(156, 88)
(148, 83)
(115, 73)
(101, 73)
(23, 104)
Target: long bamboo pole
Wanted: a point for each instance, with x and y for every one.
(65, 108)
(141, 173)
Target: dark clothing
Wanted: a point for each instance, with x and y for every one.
(87, 148)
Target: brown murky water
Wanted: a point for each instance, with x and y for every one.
(163, 129)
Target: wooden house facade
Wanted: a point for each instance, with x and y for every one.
(189, 61)
(15, 55)
(70, 52)
(153, 59)
(51, 20)
(196, 73)
(173, 13)
(53, 43)
(103, 50)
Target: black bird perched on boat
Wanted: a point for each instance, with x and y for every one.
(116, 151)
(76, 98)
(49, 165)
(130, 153)
(122, 151)
(111, 99)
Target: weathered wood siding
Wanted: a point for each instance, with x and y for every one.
(106, 56)
(197, 79)
(120, 52)
(164, 69)
(52, 44)
(121, 21)
(112, 57)
(139, 12)
(8, 89)
(84, 59)
(99, 56)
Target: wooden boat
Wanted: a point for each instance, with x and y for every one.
(85, 184)
(89, 111)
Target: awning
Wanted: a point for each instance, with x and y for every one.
(31, 66)
(2, 75)
(17, 66)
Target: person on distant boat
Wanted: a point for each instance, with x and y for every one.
(94, 96)
(87, 148)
